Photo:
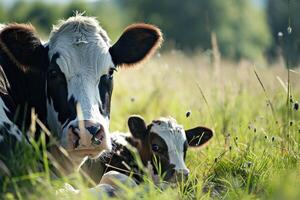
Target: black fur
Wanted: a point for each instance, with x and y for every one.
(23, 90)
(58, 93)
(114, 161)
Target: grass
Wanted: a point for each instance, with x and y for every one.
(255, 153)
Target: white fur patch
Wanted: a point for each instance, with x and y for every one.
(4, 119)
(2, 26)
(119, 137)
(174, 136)
(52, 119)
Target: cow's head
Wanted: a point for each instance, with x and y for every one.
(78, 64)
(80, 79)
(165, 143)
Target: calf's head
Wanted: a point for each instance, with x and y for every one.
(80, 79)
(165, 142)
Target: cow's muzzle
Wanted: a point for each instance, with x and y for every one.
(86, 135)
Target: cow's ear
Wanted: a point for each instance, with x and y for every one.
(198, 136)
(137, 127)
(138, 42)
(22, 45)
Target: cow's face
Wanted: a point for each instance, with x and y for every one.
(79, 81)
(165, 142)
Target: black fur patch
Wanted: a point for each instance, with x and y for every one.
(23, 61)
(137, 42)
(105, 89)
(118, 159)
(57, 92)
(22, 45)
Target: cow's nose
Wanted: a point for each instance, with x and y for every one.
(96, 131)
(86, 133)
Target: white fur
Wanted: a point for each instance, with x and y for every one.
(98, 192)
(2, 26)
(4, 119)
(84, 57)
(119, 137)
(52, 117)
(174, 136)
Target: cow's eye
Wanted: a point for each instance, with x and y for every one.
(155, 148)
(52, 74)
(111, 72)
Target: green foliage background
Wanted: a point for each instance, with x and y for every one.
(243, 29)
(281, 15)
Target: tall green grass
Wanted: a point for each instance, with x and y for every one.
(254, 153)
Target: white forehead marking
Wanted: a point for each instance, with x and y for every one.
(85, 26)
(174, 136)
(83, 46)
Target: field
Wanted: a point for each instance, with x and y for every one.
(255, 152)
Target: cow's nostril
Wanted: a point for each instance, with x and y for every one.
(97, 133)
(93, 129)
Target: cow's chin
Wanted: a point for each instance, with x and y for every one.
(91, 151)
(79, 154)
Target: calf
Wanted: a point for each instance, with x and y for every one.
(162, 141)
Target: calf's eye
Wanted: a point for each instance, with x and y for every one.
(155, 148)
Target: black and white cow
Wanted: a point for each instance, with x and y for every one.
(163, 143)
(68, 80)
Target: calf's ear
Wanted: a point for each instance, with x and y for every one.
(22, 45)
(137, 127)
(198, 136)
(138, 42)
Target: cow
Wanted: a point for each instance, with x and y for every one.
(163, 144)
(68, 81)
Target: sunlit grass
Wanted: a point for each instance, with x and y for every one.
(251, 155)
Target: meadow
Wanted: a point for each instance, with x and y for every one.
(252, 108)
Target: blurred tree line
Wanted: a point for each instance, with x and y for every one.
(243, 30)
(240, 27)
(284, 22)
(43, 14)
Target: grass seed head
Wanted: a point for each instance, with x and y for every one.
(188, 113)
(296, 106)
(289, 30)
